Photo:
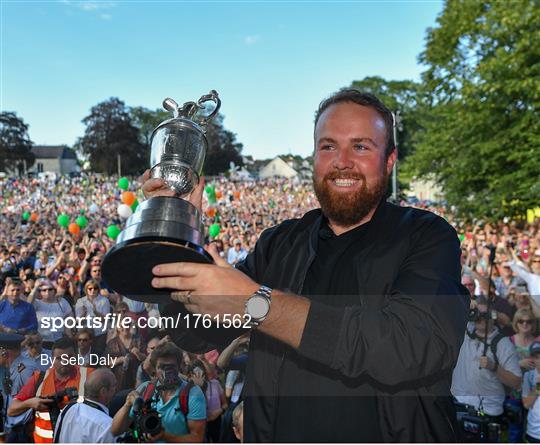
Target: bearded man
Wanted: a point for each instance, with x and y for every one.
(357, 310)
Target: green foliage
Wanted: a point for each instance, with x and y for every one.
(15, 144)
(109, 133)
(482, 85)
(402, 97)
(222, 148)
(146, 121)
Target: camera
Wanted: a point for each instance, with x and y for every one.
(476, 427)
(61, 397)
(147, 420)
(475, 315)
(170, 378)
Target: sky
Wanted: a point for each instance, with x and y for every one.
(271, 62)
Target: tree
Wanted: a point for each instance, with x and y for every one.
(223, 148)
(15, 144)
(146, 121)
(400, 96)
(109, 133)
(482, 84)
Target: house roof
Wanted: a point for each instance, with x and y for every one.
(53, 152)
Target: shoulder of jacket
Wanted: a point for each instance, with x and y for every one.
(293, 225)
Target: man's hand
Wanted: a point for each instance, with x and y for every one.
(39, 404)
(130, 398)
(527, 363)
(152, 439)
(158, 187)
(205, 282)
(487, 363)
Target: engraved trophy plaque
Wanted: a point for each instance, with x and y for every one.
(165, 229)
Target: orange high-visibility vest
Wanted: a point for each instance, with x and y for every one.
(43, 428)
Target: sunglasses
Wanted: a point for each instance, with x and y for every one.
(83, 339)
(34, 343)
(525, 322)
(49, 289)
(92, 288)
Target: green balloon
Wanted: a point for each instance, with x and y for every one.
(123, 183)
(461, 237)
(82, 222)
(214, 230)
(208, 189)
(113, 231)
(135, 205)
(63, 220)
(82, 212)
(26, 216)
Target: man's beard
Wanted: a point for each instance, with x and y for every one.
(347, 209)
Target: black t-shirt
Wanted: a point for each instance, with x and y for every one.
(317, 404)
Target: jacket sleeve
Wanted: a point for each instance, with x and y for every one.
(419, 329)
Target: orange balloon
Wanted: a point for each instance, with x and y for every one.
(219, 194)
(210, 212)
(74, 228)
(128, 198)
(34, 217)
(236, 195)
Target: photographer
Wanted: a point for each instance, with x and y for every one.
(480, 375)
(89, 422)
(48, 392)
(180, 405)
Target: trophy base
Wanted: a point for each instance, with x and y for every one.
(127, 267)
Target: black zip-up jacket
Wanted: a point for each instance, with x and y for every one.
(403, 336)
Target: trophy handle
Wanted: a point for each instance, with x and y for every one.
(212, 96)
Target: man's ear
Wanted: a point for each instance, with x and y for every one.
(391, 160)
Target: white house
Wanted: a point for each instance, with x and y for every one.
(58, 159)
(277, 167)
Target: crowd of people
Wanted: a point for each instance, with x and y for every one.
(46, 272)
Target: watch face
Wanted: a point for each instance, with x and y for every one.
(257, 307)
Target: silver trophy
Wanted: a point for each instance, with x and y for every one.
(165, 229)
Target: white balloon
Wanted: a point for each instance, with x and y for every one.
(93, 208)
(124, 211)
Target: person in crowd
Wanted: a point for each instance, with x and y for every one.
(17, 369)
(48, 305)
(126, 347)
(480, 376)
(146, 371)
(525, 326)
(16, 316)
(94, 304)
(531, 275)
(33, 350)
(89, 421)
(506, 280)
(236, 253)
(238, 421)
(85, 343)
(530, 392)
(216, 403)
(37, 394)
(181, 421)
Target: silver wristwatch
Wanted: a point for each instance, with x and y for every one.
(258, 306)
